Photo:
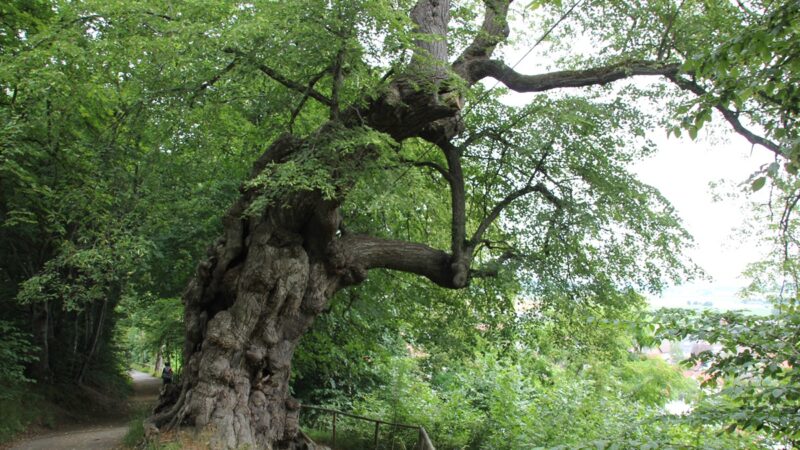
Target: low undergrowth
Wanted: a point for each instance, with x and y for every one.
(23, 407)
(135, 434)
(30, 408)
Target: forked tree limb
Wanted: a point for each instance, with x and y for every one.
(494, 214)
(306, 90)
(313, 93)
(306, 94)
(494, 30)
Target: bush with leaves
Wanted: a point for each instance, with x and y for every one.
(491, 401)
(753, 381)
(15, 351)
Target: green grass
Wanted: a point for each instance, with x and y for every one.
(351, 440)
(146, 368)
(135, 433)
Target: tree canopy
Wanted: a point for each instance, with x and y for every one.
(362, 147)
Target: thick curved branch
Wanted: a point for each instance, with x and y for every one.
(604, 75)
(494, 30)
(362, 253)
(568, 78)
(731, 116)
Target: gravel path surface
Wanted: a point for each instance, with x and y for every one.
(145, 389)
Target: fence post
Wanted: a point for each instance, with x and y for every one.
(424, 441)
(377, 424)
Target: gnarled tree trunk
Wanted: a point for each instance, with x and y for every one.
(270, 275)
(264, 282)
(246, 310)
(40, 324)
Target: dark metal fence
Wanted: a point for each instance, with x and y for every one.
(423, 441)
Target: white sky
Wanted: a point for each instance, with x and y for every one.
(683, 171)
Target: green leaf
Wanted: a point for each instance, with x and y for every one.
(758, 184)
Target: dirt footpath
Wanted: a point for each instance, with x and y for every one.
(145, 390)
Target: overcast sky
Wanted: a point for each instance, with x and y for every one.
(683, 171)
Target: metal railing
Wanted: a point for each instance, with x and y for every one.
(423, 441)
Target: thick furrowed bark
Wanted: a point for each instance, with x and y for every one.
(253, 298)
(251, 301)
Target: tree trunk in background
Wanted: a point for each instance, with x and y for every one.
(98, 331)
(159, 362)
(40, 317)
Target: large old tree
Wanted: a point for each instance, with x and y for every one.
(372, 86)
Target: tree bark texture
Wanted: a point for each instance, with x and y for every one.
(250, 302)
